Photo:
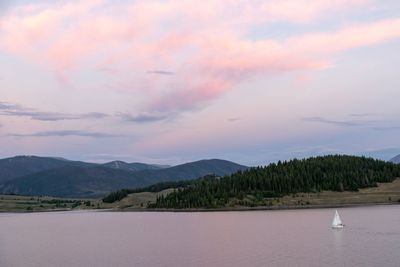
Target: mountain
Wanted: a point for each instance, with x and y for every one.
(161, 166)
(18, 166)
(396, 159)
(136, 166)
(73, 181)
(79, 179)
(193, 170)
(260, 186)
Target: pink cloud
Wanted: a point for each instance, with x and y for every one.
(186, 97)
(205, 45)
(353, 36)
(306, 11)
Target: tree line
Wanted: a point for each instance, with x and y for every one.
(333, 173)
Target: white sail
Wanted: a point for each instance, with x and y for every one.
(337, 222)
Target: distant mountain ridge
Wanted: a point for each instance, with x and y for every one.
(396, 159)
(14, 167)
(32, 175)
(135, 166)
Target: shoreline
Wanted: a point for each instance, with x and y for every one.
(227, 209)
(272, 208)
(50, 210)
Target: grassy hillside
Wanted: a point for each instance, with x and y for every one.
(14, 203)
(383, 193)
(139, 200)
(263, 184)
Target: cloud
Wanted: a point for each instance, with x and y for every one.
(8, 106)
(9, 109)
(161, 72)
(333, 122)
(66, 133)
(377, 125)
(301, 11)
(143, 118)
(224, 61)
(53, 116)
(234, 119)
(364, 115)
(349, 37)
(386, 128)
(207, 45)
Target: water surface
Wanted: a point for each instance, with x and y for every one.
(254, 238)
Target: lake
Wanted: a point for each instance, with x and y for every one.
(247, 238)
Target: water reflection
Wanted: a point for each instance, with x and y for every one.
(338, 239)
(259, 238)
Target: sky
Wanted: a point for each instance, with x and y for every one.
(175, 81)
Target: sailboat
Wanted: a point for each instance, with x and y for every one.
(337, 222)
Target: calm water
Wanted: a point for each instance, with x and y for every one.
(256, 238)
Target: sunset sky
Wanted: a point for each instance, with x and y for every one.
(176, 81)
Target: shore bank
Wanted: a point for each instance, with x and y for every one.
(270, 208)
(255, 208)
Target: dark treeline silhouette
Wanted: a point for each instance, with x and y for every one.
(120, 194)
(334, 173)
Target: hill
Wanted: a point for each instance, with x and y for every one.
(396, 159)
(384, 193)
(18, 166)
(93, 180)
(259, 186)
(71, 181)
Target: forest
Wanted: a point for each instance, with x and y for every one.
(324, 173)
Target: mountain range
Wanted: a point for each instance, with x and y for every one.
(396, 159)
(58, 177)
